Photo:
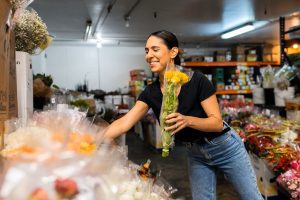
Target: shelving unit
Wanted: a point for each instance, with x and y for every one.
(229, 64)
(283, 42)
(233, 92)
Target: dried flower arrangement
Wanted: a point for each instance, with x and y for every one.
(31, 32)
(16, 4)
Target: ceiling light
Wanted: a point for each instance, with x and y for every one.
(127, 23)
(88, 30)
(295, 45)
(237, 31)
(127, 18)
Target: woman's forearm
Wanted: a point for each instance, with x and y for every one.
(126, 122)
(115, 129)
(210, 124)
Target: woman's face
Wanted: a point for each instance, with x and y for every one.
(157, 54)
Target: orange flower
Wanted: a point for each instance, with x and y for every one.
(66, 188)
(82, 143)
(38, 194)
(87, 148)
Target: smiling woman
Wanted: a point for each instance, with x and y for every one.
(211, 143)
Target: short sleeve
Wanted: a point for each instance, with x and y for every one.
(206, 88)
(144, 96)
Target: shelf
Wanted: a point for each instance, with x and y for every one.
(228, 64)
(234, 92)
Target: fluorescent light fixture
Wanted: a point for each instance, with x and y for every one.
(88, 30)
(237, 31)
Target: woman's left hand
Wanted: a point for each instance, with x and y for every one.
(176, 121)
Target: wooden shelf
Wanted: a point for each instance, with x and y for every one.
(234, 92)
(228, 64)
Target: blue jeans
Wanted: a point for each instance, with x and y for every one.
(228, 154)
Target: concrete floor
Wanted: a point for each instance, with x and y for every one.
(173, 168)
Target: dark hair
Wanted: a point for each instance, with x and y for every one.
(170, 40)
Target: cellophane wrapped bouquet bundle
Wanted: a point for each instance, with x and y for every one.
(173, 80)
(60, 155)
(52, 131)
(105, 175)
(290, 180)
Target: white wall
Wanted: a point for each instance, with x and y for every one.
(106, 68)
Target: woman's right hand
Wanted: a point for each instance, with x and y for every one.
(177, 122)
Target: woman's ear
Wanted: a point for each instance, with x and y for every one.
(174, 52)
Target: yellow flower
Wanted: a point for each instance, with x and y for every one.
(184, 78)
(175, 79)
(168, 75)
(86, 148)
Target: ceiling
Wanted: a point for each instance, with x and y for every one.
(195, 22)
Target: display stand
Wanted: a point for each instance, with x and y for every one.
(24, 85)
(265, 178)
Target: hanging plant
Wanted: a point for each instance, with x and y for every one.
(31, 32)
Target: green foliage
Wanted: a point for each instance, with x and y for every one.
(294, 58)
(47, 79)
(80, 103)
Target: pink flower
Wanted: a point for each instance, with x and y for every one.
(294, 195)
(295, 165)
(293, 186)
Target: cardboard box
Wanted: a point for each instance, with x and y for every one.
(267, 58)
(220, 86)
(8, 94)
(265, 177)
(251, 57)
(137, 72)
(208, 58)
(196, 58)
(138, 77)
(152, 133)
(240, 57)
(220, 58)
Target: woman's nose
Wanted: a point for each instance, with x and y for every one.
(149, 55)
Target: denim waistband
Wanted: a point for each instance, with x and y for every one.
(201, 140)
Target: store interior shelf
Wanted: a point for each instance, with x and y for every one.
(234, 92)
(228, 64)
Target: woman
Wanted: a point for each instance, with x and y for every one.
(198, 123)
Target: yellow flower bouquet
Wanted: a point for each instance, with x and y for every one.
(173, 79)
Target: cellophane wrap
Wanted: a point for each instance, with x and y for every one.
(173, 80)
(61, 155)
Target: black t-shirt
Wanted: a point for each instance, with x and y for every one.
(191, 94)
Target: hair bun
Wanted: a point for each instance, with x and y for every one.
(180, 51)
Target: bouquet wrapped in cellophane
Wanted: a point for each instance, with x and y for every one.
(173, 79)
(61, 155)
